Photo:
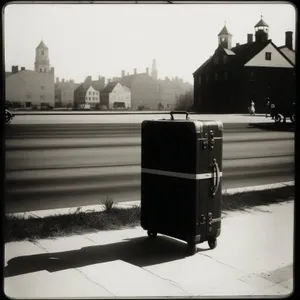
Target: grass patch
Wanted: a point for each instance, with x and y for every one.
(246, 200)
(18, 228)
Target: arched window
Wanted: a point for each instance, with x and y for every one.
(42, 52)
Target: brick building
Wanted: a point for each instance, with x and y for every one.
(27, 88)
(64, 93)
(144, 90)
(233, 76)
(87, 94)
(115, 96)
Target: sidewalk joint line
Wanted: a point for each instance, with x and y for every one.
(223, 263)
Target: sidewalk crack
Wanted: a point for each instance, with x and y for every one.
(82, 273)
(171, 281)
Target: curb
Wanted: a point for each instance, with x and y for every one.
(128, 204)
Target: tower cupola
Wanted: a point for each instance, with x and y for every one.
(42, 58)
(225, 38)
(261, 31)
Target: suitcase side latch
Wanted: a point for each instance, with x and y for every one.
(202, 219)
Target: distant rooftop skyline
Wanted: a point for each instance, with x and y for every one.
(112, 38)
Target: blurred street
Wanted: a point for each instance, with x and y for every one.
(66, 165)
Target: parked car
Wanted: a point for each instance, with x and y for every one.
(283, 111)
(8, 116)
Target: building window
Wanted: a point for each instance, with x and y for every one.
(86, 98)
(42, 87)
(42, 52)
(225, 59)
(90, 93)
(41, 70)
(268, 56)
(216, 76)
(252, 75)
(226, 76)
(89, 98)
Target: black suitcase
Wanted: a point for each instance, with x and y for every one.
(181, 179)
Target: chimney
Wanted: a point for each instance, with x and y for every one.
(134, 71)
(123, 73)
(249, 38)
(57, 79)
(14, 69)
(147, 70)
(289, 39)
(88, 80)
(22, 68)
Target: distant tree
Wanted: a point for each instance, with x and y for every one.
(160, 106)
(185, 102)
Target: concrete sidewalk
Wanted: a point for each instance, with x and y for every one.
(254, 256)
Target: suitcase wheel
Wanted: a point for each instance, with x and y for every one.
(151, 234)
(212, 243)
(192, 248)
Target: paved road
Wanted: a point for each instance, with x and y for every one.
(93, 117)
(65, 165)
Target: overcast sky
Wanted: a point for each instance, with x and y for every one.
(103, 39)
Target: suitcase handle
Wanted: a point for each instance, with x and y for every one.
(179, 112)
(217, 172)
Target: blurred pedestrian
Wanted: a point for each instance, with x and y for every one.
(252, 108)
(272, 111)
(268, 107)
